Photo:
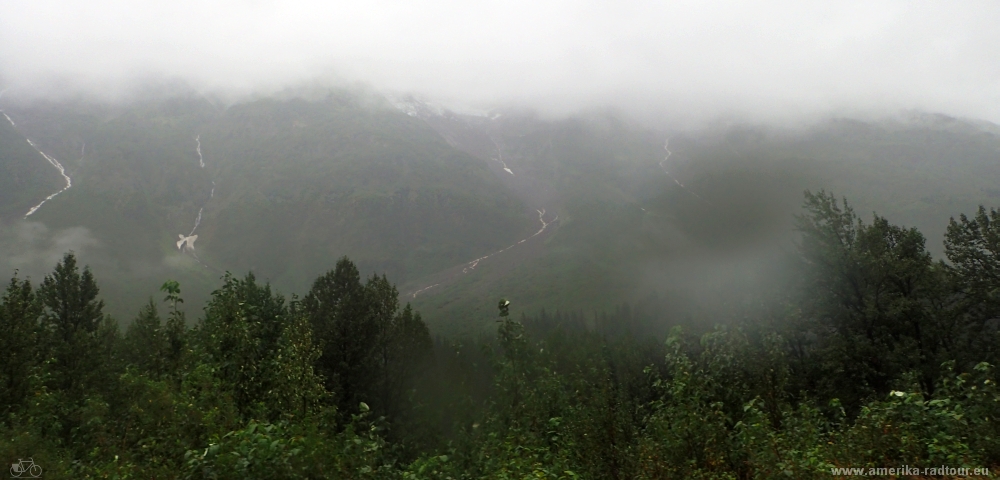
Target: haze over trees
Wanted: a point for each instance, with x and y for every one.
(875, 354)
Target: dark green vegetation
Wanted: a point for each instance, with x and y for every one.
(869, 354)
(840, 343)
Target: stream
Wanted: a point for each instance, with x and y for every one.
(186, 242)
(666, 146)
(52, 161)
(469, 266)
(500, 156)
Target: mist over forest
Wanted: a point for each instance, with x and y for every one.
(501, 240)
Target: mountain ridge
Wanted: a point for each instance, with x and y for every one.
(419, 192)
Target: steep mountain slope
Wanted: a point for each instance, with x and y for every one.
(287, 187)
(709, 217)
(917, 170)
(342, 179)
(581, 213)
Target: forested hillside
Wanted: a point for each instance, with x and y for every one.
(281, 187)
(579, 213)
(872, 354)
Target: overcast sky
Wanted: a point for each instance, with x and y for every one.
(683, 60)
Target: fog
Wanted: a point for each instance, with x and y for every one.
(684, 61)
(32, 248)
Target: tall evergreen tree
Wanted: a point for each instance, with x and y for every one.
(371, 349)
(19, 313)
(412, 350)
(71, 320)
(383, 302)
(338, 313)
(145, 342)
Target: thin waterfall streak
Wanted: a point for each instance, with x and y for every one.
(197, 221)
(541, 217)
(5, 113)
(424, 289)
(473, 264)
(666, 145)
(52, 161)
(500, 156)
(201, 161)
(55, 163)
(186, 243)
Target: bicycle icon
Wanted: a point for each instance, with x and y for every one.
(22, 467)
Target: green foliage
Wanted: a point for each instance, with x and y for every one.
(371, 351)
(973, 248)
(71, 323)
(337, 314)
(173, 291)
(876, 288)
(155, 348)
(687, 430)
(872, 368)
(260, 349)
(145, 343)
(19, 342)
(312, 449)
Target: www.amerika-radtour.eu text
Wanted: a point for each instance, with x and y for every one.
(911, 471)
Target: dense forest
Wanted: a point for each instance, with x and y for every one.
(872, 354)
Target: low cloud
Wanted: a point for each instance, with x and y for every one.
(33, 249)
(686, 61)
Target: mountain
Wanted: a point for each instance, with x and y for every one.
(580, 213)
(681, 220)
(297, 184)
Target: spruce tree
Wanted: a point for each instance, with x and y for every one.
(146, 342)
(71, 322)
(19, 313)
(337, 310)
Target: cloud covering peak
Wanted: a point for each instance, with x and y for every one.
(685, 60)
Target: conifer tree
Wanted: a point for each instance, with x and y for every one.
(71, 321)
(19, 313)
(145, 341)
(337, 310)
